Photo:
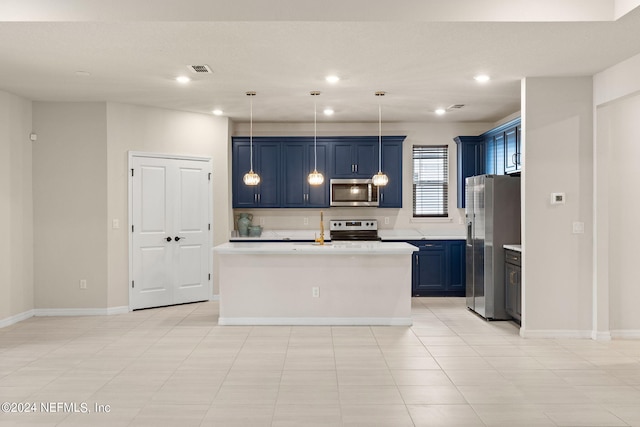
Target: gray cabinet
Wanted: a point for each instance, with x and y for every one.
(513, 283)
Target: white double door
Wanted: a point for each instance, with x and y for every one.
(170, 231)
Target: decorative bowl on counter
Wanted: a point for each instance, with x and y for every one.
(255, 230)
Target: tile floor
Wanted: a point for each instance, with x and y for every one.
(176, 366)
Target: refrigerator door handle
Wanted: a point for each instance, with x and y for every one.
(469, 233)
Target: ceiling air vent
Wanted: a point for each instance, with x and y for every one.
(199, 69)
(455, 107)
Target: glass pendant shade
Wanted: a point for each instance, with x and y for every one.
(380, 179)
(315, 177)
(251, 178)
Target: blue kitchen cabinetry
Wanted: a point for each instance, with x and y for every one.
(503, 149)
(297, 162)
(391, 194)
(438, 268)
(495, 152)
(512, 154)
(266, 163)
(471, 159)
(513, 283)
(283, 164)
(355, 157)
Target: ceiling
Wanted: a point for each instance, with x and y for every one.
(422, 64)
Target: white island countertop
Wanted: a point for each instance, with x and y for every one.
(302, 248)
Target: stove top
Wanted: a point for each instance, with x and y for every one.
(354, 229)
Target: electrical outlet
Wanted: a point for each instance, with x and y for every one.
(115, 224)
(386, 220)
(83, 284)
(262, 222)
(578, 227)
(315, 292)
(305, 221)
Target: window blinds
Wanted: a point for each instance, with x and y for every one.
(430, 181)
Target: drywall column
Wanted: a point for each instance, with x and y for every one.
(617, 101)
(557, 122)
(16, 210)
(70, 205)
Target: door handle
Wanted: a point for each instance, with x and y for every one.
(168, 239)
(178, 238)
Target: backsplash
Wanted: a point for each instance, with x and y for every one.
(388, 219)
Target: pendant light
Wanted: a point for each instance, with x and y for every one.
(315, 177)
(251, 178)
(380, 179)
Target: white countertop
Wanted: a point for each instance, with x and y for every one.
(310, 235)
(342, 248)
(513, 247)
(409, 234)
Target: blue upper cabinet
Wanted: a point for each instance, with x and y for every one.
(496, 152)
(266, 163)
(298, 161)
(354, 157)
(284, 163)
(512, 150)
(470, 161)
(391, 194)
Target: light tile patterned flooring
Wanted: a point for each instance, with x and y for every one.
(176, 366)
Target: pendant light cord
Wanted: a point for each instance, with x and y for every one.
(315, 133)
(251, 130)
(379, 137)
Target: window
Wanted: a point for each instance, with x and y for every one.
(430, 181)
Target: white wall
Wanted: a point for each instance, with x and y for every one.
(417, 134)
(70, 205)
(155, 130)
(617, 92)
(16, 210)
(557, 128)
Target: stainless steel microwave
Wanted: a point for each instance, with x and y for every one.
(353, 192)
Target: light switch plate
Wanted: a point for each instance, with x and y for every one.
(578, 227)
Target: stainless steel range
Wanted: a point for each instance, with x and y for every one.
(353, 229)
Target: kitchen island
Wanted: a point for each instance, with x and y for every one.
(345, 283)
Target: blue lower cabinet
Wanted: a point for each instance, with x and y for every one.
(438, 268)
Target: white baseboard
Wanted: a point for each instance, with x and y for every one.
(601, 336)
(118, 310)
(626, 334)
(80, 311)
(554, 333)
(215, 297)
(310, 321)
(11, 320)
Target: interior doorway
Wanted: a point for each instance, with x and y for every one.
(170, 230)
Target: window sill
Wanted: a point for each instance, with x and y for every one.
(435, 219)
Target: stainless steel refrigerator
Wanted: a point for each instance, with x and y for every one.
(493, 219)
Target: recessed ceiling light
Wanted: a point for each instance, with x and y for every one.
(218, 112)
(83, 73)
(332, 79)
(440, 111)
(183, 79)
(328, 111)
(482, 78)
